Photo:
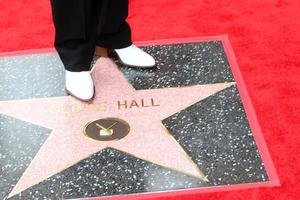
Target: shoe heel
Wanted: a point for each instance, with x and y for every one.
(109, 52)
(102, 51)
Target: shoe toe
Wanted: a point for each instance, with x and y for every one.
(83, 93)
(80, 85)
(149, 61)
(135, 57)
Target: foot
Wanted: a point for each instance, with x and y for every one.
(80, 85)
(135, 57)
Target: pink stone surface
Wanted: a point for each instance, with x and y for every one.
(148, 139)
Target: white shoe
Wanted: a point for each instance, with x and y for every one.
(135, 57)
(80, 85)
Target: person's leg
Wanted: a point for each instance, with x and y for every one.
(75, 32)
(75, 38)
(113, 31)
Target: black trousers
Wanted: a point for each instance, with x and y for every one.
(80, 25)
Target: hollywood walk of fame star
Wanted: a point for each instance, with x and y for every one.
(148, 139)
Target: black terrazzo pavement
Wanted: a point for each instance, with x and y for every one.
(214, 132)
(182, 65)
(109, 172)
(19, 142)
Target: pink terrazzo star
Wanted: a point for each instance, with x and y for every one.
(148, 139)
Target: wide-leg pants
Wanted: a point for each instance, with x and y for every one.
(80, 25)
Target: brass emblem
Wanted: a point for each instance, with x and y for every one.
(107, 129)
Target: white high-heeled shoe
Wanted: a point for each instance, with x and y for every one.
(133, 56)
(80, 85)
